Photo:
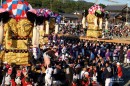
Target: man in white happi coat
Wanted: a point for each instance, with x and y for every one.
(48, 76)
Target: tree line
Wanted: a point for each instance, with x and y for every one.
(62, 6)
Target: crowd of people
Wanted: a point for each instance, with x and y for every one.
(69, 29)
(73, 62)
(117, 30)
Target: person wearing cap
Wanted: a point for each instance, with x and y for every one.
(94, 82)
(86, 79)
(86, 74)
(119, 70)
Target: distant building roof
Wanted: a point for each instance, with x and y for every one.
(115, 7)
(78, 12)
(66, 15)
(112, 15)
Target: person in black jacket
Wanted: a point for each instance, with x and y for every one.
(108, 75)
(99, 72)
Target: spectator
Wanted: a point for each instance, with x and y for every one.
(94, 82)
(48, 76)
(128, 57)
(86, 79)
(107, 55)
(108, 75)
(27, 82)
(69, 74)
(119, 70)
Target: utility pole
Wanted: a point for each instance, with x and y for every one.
(63, 1)
(51, 4)
(1, 2)
(127, 13)
(42, 3)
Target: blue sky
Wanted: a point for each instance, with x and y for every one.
(107, 2)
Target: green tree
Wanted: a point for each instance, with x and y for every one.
(102, 5)
(67, 6)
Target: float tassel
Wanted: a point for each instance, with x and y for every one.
(56, 28)
(84, 22)
(34, 37)
(47, 27)
(1, 32)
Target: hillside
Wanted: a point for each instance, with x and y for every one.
(67, 6)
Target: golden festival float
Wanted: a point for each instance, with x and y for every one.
(94, 20)
(22, 26)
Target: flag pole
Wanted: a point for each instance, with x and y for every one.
(1, 2)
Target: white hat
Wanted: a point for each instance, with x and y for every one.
(118, 63)
(94, 79)
(125, 48)
(5, 62)
(86, 73)
(66, 54)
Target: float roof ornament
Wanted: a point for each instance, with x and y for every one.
(94, 8)
(42, 12)
(16, 8)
